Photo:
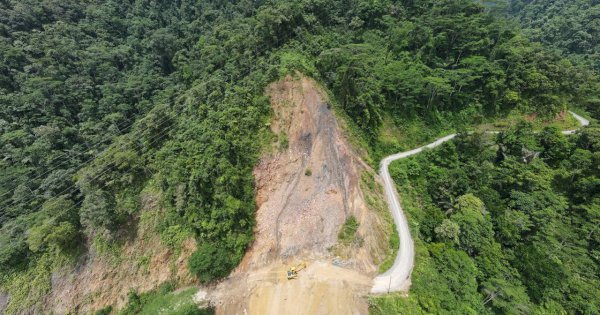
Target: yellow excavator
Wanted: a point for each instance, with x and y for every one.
(292, 273)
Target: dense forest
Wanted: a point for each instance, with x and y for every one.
(506, 224)
(571, 26)
(104, 99)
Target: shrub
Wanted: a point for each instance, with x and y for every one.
(210, 262)
(348, 231)
(105, 311)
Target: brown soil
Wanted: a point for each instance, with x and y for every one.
(142, 264)
(321, 288)
(305, 192)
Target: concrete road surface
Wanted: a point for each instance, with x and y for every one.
(397, 278)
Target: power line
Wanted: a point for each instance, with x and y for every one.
(72, 188)
(56, 167)
(81, 165)
(227, 79)
(64, 154)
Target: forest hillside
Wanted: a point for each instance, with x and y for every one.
(129, 131)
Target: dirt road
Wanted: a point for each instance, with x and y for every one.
(397, 278)
(321, 288)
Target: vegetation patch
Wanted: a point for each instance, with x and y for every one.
(375, 199)
(294, 62)
(394, 246)
(164, 300)
(562, 121)
(347, 234)
(401, 134)
(27, 289)
(210, 262)
(283, 141)
(474, 207)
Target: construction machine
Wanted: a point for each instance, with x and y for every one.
(292, 273)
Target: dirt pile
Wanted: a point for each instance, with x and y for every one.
(306, 189)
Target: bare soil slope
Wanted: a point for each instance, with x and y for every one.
(306, 189)
(141, 264)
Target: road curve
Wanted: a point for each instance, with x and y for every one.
(582, 122)
(397, 278)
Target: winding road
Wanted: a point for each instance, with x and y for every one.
(397, 278)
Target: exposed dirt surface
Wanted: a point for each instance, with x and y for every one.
(141, 264)
(321, 288)
(306, 189)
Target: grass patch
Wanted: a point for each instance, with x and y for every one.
(374, 197)
(394, 245)
(347, 234)
(104, 311)
(282, 141)
(163, 301)
(348, 238)
(404, 134)
(293, 62)
(28, 287)
(143, 263)
(394, 303)
(562, 121)
(173, 236)
(111, 249)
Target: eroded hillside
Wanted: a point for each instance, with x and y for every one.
(307, 187)
(140, 264)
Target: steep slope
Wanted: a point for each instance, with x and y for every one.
(141, 264)
(306, 190)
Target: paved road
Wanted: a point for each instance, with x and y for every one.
(397, 278)
(582, 121)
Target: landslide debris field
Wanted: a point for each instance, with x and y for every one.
(307, 187)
